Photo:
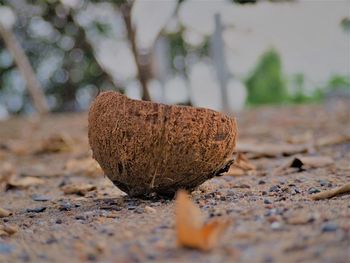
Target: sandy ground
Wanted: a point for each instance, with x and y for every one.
(274, 218)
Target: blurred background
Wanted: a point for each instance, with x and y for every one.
(222, 54)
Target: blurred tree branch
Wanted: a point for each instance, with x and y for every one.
(142, 61)
(20, 58)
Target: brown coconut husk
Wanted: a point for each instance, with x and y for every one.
(147, 148)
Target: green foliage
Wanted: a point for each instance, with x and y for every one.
(266, 85)
(337, 82)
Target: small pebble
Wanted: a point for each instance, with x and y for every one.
(313, 190)
(149, 209)
(80, 217)
(267, 202)
(329, 227)
(261, 182)
(41, 198)
(51, 240)
(65, 206)
(276, 225)
(139, 210)
(323, 182)
(38, 209)
(274, 188)
(59, 221)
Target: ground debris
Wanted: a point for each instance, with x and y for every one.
(78, 188)
(23, 183)
(4, 212)
(56, 143)
(8, 230)
(259, 150)
(86, 166)
(190, 228)
(304, 162)
(241, 166)
(345, 189)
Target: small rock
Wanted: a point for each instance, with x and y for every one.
(80, 217)
(139, 210)
(59, 221)
(149, 209)
(274, 188)
(329, 227)
(276, 225)
(41, 198)
(267, 202)
(230, 192)
(38, 209)
(65, 206)
(313, 190)
(51, 240)
(4, 213)
(131, 207)
(323, 182)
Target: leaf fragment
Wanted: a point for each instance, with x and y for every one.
(191, 230)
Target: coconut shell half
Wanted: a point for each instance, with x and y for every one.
(146, 148)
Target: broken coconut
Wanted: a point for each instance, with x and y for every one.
(147, 148)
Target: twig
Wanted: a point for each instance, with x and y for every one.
(26, 70)
(331, 193)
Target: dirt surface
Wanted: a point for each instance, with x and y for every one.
(67, 211)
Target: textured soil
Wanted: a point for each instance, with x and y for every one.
(274, 218)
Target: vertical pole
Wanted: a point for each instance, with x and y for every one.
(217, 48)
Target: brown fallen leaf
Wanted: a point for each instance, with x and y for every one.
(87, 166)
(240, 166)
(23, 183)
(55, 144)
(79, 189)
(304, 162)
(271, 150)
(191, 230)
(345, 189)
(4, 212)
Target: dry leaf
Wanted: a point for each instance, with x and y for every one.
(191, 230)
(304, 162)
(4, 213)
(240, 166)
(25, 182)
(55, 144)
(87, 166)
(80, 189)
(345, 189)
(271, 150)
